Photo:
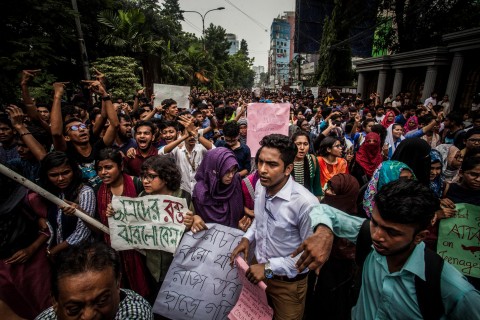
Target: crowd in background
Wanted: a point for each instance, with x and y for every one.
(87, 148)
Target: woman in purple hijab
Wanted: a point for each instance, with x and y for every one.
(217, 195)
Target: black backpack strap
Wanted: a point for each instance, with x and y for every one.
(364, 243)
(429, 295)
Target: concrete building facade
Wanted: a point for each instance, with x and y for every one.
(234, 43)
(279, 53)
(452, 68)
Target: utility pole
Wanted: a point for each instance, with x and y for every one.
(203, 20)
(81, 42)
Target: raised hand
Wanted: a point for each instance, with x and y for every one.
(28, 74)
(16, 115)
(95, 86)
(99, 75)
(59, 87)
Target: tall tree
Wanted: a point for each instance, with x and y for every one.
(421, 23)
(243, 47)
(122, 74)
(127, 30)
(334, 64)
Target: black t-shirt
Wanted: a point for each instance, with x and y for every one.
(87, 164)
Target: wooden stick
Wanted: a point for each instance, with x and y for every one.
(47, 195)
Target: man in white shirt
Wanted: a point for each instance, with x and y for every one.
(281, 223)
(432, 99)
(188, 155)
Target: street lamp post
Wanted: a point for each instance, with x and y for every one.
(203, 20)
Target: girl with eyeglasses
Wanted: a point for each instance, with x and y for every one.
(330, 159)
(161, 176)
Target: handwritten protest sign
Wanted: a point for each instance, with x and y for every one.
(459, 239)
(200, 283)
(177, 93)
(151, 222)
(264, 119)
(252, 303)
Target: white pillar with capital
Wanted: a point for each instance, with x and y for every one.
(361, 84)
(430, 79)
(454, 78)
(382, 79)
(397, 82)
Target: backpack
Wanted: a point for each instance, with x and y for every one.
(429, 295)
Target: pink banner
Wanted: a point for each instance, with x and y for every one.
(264, 119)
(252, 303)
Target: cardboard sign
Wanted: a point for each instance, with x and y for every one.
(252, 303)
(150, 222)
(264, 119)
(200, 283)
(177, 93)
(459, 239)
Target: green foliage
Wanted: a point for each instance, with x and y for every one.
(122, 74)
(128, 31)
(420, 24)
(41, 87)
(334, 64)
(239, 72)
(42, 35)
(216, 43)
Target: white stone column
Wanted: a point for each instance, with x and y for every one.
(454, 78)
(382, 79)
(361, 84)
(397, 82)
(430, 79)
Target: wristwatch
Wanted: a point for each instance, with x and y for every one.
(268, 271)
(106, 98)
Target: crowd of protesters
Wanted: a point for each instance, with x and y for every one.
(341, 154)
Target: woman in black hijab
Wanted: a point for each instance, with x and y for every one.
(415, 153)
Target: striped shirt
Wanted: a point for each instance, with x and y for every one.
(87, 203)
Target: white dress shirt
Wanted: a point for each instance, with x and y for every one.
(281, 224)
(184, 161)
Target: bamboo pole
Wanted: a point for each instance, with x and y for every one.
(47, 195)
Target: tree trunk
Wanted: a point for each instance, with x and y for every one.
(151, 72)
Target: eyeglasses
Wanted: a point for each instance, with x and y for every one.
(76, 128)
(475, 141)
(337, 146)
(148, 176)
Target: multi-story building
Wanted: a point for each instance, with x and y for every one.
(234, 44)
(258, 71)
(279, 54)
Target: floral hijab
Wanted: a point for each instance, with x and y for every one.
(388, 171)
(436, 185)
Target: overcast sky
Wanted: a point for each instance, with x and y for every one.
(234, 21)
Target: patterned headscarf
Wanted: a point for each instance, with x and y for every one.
(436, 185)
(388, 171)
